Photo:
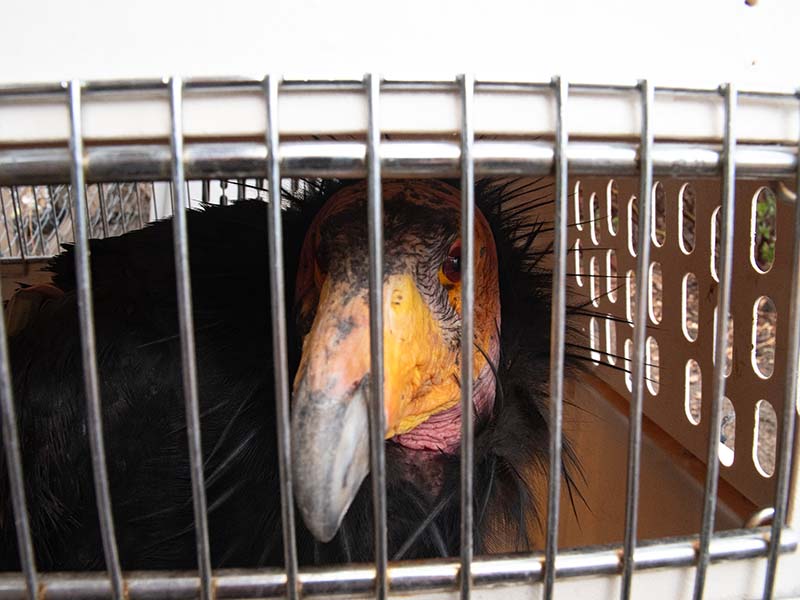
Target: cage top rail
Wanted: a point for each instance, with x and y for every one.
(234, 82)
(208, 160)
(233, 108)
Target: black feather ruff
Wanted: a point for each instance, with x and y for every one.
(144, 422)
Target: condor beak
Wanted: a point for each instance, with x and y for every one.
(330, 424)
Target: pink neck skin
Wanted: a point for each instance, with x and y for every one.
(442, 431)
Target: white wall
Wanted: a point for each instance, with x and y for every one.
(693, 42)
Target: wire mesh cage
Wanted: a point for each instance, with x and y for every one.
(700, 415)
(37, 219)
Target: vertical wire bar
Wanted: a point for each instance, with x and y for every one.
(377, 431)
(188, 196)
(557, 333)
(101, 198)
(14, 466)
(113, 227)
(54, 212)
(70, 203)
(92, 222)
(789, 407)
(721, 338)
(279, 338)
(83, 280)
(154, 200)
(640, 338)
(18, 223)
(123, 212)
(206, 191)
(466, 85)
(38, 220)
(120, 221)
(188, 358)
(5, 223)
(139, 208)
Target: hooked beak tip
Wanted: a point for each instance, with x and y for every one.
(330, 445)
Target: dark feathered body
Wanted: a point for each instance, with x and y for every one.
(144, 414)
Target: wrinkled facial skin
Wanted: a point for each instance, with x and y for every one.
(421, 224)
(422, 321)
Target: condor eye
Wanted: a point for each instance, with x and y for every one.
(451, 267)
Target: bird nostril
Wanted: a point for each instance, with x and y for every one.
(397, 297)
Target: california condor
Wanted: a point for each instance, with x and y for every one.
(325, 237)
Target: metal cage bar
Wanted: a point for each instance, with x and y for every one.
(253, 84)
(139, 207)
(101, 197)
(123, 212)
(279, 337)
(377, 428)
(466, 86)
(51, 197)
(557, 332)
(154, 203)
(188, 358)
(721, 334)
(786, 444)
(5, 222)
(71, 204)
(83, 283)
(13, 460)
(23, 251)
(91, 227)
(406, 578)
(399, 158)
(39, 230)
(639, 339)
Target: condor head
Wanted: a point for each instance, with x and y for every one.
(421, 336)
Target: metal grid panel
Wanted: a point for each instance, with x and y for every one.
(477, 572)
(38, 219)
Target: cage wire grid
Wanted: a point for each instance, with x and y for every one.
(40, 213)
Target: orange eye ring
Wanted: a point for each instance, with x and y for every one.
(451, 267)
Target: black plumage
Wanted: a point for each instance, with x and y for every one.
(144, 415)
